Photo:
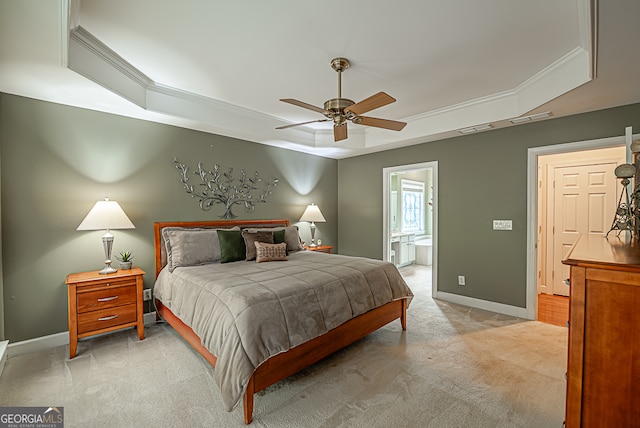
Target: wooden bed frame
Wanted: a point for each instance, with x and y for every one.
(287, 363)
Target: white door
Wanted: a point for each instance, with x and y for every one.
(584, 203)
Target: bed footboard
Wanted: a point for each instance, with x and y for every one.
(302, 356)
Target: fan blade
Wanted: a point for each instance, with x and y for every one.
(379, 123)
(373, 102)
(340, 132)
(305, 105)
(302, 123)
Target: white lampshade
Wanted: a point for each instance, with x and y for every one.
(312, 214)
(106, 215)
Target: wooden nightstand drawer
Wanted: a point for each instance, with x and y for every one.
(105, 318)
(106, 298)
(87, 286)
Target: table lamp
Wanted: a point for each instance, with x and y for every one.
(106, 215)
(312, 214)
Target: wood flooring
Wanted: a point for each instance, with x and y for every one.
(553, 309)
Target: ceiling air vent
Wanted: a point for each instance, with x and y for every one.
(529, 118)
(475, 128)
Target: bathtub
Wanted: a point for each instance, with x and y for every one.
(424, 246)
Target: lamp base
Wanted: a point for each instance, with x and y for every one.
(313, 235)
(107, 243)
(108, 269)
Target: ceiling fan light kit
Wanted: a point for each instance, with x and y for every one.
(340, 110)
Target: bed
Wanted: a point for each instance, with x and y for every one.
(258, 322)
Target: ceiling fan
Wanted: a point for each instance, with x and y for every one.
(339, 110)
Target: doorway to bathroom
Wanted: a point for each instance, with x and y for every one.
(410, 216)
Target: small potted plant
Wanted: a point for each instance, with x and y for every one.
(125, 258)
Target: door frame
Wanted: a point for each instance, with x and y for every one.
(532, 204)
(386, 242)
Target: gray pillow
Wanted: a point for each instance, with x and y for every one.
(191, 247)
(291, 236)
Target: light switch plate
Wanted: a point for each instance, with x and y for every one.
(502, 225)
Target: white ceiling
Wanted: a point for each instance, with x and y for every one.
(222, 66)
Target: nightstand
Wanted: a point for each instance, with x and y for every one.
(321, 248)
(102, 303)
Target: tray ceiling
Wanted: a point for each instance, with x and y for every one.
(222, 66)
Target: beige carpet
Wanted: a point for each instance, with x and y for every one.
(453, 367)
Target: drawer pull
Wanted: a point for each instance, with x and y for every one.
(109, 318)
(107, 299)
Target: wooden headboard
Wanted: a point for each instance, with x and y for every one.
(158, 241)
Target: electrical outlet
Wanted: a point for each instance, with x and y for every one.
(147, 294)
(461, 280)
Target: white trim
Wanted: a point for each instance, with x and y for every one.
(53, 340)
(386, 178)
(486, 305)
(39, 343)
(3, 354)
(532, 201)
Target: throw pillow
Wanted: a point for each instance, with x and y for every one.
(251, 237)
(232, 246)
(279, 237)
(270, 252)
(291, 236)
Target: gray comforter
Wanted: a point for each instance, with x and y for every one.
(246, 312)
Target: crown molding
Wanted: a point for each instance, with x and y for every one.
(94, 60)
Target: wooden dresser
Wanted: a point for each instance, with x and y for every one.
(603, 373)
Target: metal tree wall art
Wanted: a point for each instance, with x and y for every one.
(218, 187)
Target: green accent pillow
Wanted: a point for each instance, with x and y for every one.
(279, 237)
(232, 246)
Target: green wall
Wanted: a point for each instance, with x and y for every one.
(57, 161)
(481, 177)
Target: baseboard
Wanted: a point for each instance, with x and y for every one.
(500, 308)
(53, 340)
(3, 354)
(39, 343)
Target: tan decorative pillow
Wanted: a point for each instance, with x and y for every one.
(270, 252)
(251, 237)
